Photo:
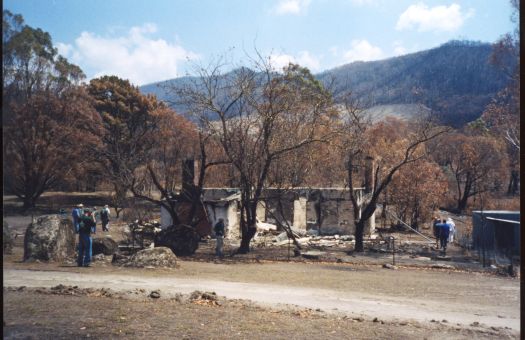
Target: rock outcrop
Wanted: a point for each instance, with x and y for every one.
(153, 257)
(104, 245)
(183, 240)
(50, 238)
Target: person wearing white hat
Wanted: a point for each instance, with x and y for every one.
(104, 216)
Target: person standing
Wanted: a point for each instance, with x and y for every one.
(435, 229)
(87, 226)
(96, 214)
(452, 225)
(104, 217)
(219, 235)
(76, 214)
(444, 231)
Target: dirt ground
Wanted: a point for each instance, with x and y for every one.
(38, 314)
(267, 293)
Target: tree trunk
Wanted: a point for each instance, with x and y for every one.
(513, 183)
(117, 211)
(415, 216)
(385, 202)
(248, 227)
(359, 231)
(29, 203)
(463, 199)
(246, 239)
(462, 203)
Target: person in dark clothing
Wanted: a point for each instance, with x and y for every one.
(86, 227)
(77, 214)
(435, 229)
(219, 234)
(444, 231)
(104, 217)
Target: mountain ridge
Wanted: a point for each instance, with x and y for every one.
(455, 80)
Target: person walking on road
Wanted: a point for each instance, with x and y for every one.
(219, 235)
(86, 227)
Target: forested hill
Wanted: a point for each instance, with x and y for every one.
(455, 80)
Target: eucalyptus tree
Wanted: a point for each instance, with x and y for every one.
(129, 124)
(259, 115)
(44, 105)
(383, 149)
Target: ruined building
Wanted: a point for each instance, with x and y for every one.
(326, 211)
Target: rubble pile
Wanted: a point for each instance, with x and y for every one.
(204, 298)
(331, 241)
(99, 258)
(71, 290)
(414, 249)
(268, 238)
(144, 232)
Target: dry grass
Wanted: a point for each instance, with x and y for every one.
(68, 317)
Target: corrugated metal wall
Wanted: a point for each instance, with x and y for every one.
(494, 235)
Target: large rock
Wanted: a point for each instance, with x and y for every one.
(153, 257)
(104, 245)
(7, 239)
(183, 240)
(50, 238)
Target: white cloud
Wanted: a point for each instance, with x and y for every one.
(362, 50)
(363, 2)
(64, 49)
(136, 56)
(307, 60)
(438, 18)
(291, 6)
(304, 58)
(399, 49)
(278, 61)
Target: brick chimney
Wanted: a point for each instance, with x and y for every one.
(369, 174)
(188, 178)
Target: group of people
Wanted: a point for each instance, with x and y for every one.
(85, 223)
(444, 231)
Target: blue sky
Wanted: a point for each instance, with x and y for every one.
(153, 40)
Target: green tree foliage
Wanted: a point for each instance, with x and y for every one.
(128, 128)
(43, 108)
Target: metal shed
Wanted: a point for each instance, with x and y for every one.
(496, 235)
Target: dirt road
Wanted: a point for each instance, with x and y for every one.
(454, 297)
